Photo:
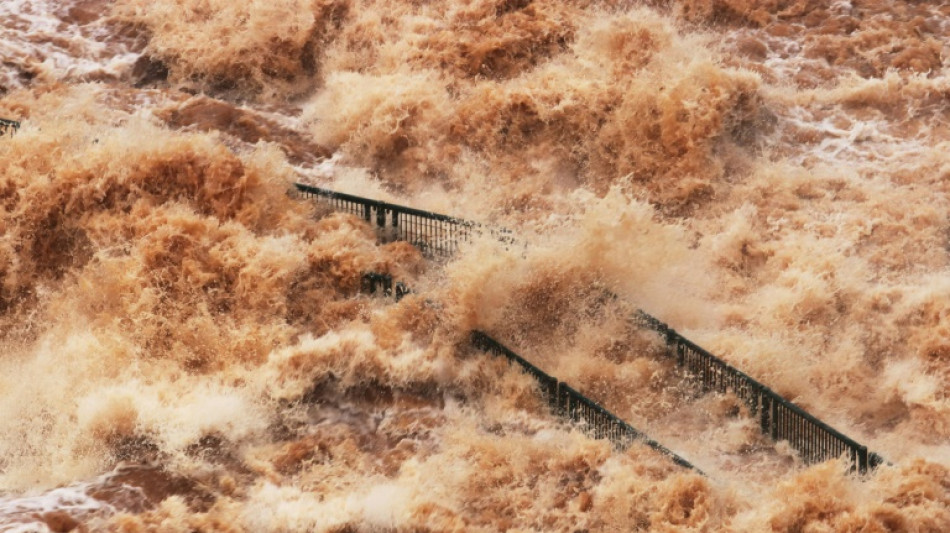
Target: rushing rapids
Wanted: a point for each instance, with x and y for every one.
(185, 347)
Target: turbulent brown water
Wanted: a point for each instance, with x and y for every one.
(184, 347)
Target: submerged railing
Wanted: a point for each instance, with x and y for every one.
(435, 234)
(568, 403)
(561, 398)
(778, 418)
(382, 284)
(8, 126)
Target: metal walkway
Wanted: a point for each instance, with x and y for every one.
(440, 236)
(8, 126)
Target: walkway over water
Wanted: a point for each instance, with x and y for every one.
(8, 126)
(440, 236)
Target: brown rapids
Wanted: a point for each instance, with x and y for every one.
(183, 347)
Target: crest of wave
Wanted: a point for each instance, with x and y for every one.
(144, 273)
(621, 94)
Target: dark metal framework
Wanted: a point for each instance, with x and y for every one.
(439, 236)
(376, 283)
(8, 126)
(561, 398)
(778, 418)
(567, 402)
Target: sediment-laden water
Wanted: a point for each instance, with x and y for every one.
(184, 347)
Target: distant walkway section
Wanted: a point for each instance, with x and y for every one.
(437, 236)
(440, 236)
(8, 126)
(562, 399)
(779, 418)
(567, 402)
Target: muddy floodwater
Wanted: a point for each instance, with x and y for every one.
(186, 347)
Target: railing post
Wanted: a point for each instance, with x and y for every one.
(551, 391)
(381, 217)
(765, 402)
(773, 418)
(8, 126)
(874, 460)
(401, 290)
(478, 340)
(564, 400)
(570, 404)
(559, 405)
(367, 283)
(366, 211)
(669, 334)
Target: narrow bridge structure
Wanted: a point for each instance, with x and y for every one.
(440, 236)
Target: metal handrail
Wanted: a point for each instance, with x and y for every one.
(437, 235)
(376, 283)
(816, 440)
(7, 125)
(327, 193)
(569, 403)
(780, 419)
(561, 398)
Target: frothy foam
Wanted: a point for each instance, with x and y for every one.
(185, 346)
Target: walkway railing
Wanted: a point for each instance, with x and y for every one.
(382, 284)
(561, 398)
(568, 403)
(8, 126)
(436, 235)
(778, 418)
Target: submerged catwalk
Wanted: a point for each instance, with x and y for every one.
(185, 346)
